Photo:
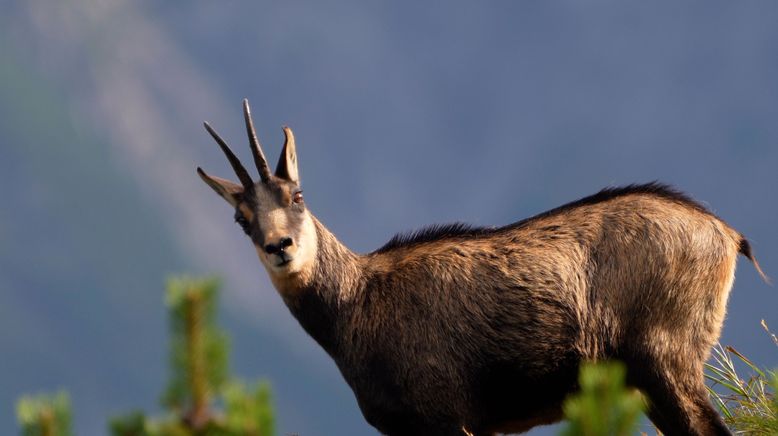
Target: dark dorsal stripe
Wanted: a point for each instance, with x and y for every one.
(437, 232)
(433, 233)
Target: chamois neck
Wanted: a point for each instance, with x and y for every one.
(337, 272)
(321, 303)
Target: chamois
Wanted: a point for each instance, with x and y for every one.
(456, 329)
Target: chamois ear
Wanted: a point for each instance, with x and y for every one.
(230, 191)
(287, 164)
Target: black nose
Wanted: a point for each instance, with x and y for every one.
(280, 246)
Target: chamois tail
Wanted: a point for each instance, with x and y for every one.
(745, 249)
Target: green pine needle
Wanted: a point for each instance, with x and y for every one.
(45, 415)
(604, 406)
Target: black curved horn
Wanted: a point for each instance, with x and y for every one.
(256, 149)
(243, 175)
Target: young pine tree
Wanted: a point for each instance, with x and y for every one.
(199, 376)
(604, 406)
(45, 415)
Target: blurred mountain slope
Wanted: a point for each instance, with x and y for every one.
(76, 272)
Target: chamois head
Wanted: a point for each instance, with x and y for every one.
(271, 211)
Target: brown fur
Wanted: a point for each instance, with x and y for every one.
(448, 333)
(484, 329)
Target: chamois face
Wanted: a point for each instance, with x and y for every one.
(271, 211)
(274, 216)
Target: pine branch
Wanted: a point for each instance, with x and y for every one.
(45, 415)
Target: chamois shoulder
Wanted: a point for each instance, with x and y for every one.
(432, 233)
(439, 232)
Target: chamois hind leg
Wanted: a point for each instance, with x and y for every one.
(679, 402)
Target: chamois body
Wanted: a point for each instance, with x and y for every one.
(454, 328)
(485, 328)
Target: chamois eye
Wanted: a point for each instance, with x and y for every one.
(243, 223)
(298, 197)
